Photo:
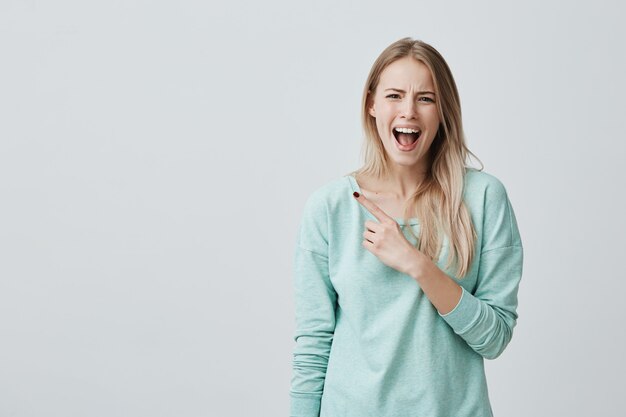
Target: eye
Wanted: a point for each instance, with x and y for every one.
(393, 96)
(428, 99)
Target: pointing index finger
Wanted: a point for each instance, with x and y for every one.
(372, 208)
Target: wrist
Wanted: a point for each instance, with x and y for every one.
(417, 268)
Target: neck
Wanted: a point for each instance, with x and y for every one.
(402, 181)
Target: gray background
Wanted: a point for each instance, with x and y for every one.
(155, 158)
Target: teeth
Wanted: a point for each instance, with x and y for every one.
(405, 130)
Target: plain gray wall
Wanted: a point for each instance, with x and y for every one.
(155, 158)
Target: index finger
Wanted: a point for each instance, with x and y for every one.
(372, 208)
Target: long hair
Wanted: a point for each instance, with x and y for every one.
(438, 200)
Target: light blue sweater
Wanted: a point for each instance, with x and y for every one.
(369, 343)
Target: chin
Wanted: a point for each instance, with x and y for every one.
(405, 161)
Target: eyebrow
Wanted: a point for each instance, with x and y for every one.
(402, 91)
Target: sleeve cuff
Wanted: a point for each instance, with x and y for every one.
(304, 406)
(464, 314)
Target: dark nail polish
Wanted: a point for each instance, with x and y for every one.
(355, 194)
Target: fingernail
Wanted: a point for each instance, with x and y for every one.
(355, 194)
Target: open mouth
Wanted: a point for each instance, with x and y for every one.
(406, 137)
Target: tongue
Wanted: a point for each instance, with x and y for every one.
(407, 138)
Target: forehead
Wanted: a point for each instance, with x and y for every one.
(406, 73)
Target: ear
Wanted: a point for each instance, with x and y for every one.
(370, 104)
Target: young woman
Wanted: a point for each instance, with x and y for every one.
(406, 271)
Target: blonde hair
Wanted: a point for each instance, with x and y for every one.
(438, 200)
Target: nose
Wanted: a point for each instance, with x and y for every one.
(409, 108)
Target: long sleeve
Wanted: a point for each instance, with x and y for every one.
(315, 303)
(485, 318)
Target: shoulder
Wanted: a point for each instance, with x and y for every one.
(484, 189)
(329, 196)
(320, 213)
(491, 209)
(481, 180)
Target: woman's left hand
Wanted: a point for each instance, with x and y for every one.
(388, 243)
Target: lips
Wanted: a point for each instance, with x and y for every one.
(406, 136)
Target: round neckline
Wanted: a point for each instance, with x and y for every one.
(355, 187)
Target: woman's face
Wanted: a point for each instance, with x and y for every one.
(406, 114)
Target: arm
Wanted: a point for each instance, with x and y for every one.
(486, 318)
(315, 303)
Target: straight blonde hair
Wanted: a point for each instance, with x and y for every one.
(438, 200)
